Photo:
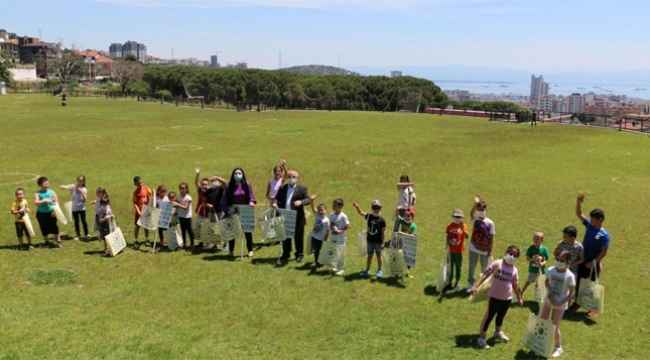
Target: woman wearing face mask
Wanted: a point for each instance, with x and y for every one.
(505, 280)
(238, 192)
(561, 285)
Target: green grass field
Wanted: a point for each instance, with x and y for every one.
(183, 305)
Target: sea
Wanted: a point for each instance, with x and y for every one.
(605, 89)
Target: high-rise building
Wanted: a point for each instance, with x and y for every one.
(395, 73)
(214, 61)
(128, 48)
(575, 103)
(538, 87)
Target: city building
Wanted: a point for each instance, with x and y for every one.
(538, 87)
(10, 46)
(545, 103)
(99, 66)
(214, 61)
(575, 103)
(395, 73)
(134, 48)
(33, 51)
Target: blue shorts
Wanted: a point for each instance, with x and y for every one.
(374, 248)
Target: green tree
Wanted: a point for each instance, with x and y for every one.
(5, 74)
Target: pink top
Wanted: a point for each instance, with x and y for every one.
(503, 279)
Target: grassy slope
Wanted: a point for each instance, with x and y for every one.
(197, 306)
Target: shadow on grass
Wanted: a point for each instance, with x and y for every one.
(533, 306)
(467, 341)
(220, 257)
(307, 266)
(94, 252)
(579, 316)
(393, 281)
(527, 354)
(269, 261)
(261, 245)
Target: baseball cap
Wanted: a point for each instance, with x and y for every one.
(376, 203)
(458, 213)
(411, 211)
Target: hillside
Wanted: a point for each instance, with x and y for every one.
(319, 70)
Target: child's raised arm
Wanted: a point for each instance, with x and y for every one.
(356, 206)
(313, 208)
(197, 170)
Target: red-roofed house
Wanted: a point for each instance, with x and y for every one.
(99, 66)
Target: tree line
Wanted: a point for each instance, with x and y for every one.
(288, 90)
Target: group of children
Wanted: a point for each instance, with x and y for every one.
(560, 280)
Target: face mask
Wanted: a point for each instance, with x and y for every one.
(293, 181)
(215, 184)
(456, 221)
(509, 259)
(480, 214)
(238, 177)
(560, 265)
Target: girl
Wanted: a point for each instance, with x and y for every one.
(105, 215)
(79, 199)
(561, 285)
(210, 194)
(99, 194)
(184, 208)
(279, 177)
(505, 278)
(239, 192)
(161, 198)
(45, 200)
(405, 199)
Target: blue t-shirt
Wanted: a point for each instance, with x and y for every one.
(42, 195)
(594, 240)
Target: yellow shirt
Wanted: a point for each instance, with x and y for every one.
(18, 205)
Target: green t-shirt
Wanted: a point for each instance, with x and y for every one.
(406, 228)
(532, 251)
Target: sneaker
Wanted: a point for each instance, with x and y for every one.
(106, 254)
(76, 238)
(557, 352)
(333, 270)
(457, 287)
(469, 288)
(410, 276)
(58, 244)
(591, 314)
(339, 273)
(380, 274)
(319, 265)
(87, 237)
(299, 258)
(574, 306)
(136, 245)
(482, 344)
(225, 248)
(364, 274)
(500, 335)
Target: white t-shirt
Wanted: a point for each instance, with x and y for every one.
(559, 283)
(78, 203)
(321, 227)
(404, 195)
(185, 200)
(339, 221)
(275, 186)
(490, 223)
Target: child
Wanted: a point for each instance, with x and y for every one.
(407, 226)
(209, 194)
(184, 208)
(45, 200)
(576, 251)
(99, 194)
(339, 224)
(172, 199)
(406, 197)
(561, 286)
(321, 229)
(504, 281)
(19, 209)
(456, 235)
(376, 236)
(79, 199)
(161, 198)
(279, 177)
(480, 246)
(105, 215)
(537, 255)
(141, 197)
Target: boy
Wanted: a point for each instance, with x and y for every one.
(406, 224)
(19, 209)
(376, 235)
(537, 255)
(141, 197)
(569, 243)
(595, 243)
(321, 230)
(339, 223)
(456, 235)
(480, 247)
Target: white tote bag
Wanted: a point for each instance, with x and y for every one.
(362, 243)
(115, 241)
(539, 335)
(60, 217)
(443, 275)
(28, 224)
(174, 238)
(539, 288)
(68, 210)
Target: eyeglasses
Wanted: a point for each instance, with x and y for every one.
(376, 207)
(458, 217)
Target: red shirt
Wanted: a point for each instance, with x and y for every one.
(456, 237)
(141, 197)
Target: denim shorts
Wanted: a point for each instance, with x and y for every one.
(374, 248)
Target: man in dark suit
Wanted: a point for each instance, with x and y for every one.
(293, 196)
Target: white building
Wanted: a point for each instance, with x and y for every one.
(575, 103)
(545, 104)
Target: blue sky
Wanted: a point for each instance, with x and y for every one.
(537, 36)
